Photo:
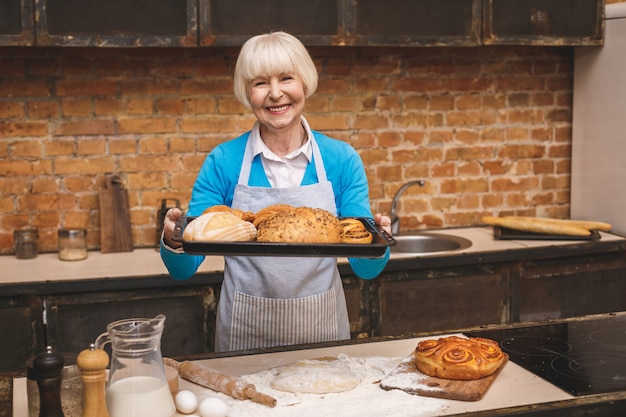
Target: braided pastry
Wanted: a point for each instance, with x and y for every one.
(355, 232)
(458, 358)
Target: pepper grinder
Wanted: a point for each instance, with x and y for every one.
(92, 363)
(48, 366)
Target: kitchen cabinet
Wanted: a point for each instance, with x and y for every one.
(22, 330)
(116, 23)
(16, 22)
(75, 320)
(560, 288)
(427, 300)
(543, 22)
(191, 23)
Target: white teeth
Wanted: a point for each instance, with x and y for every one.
(281, 108)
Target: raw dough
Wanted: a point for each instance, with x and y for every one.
(315, 377)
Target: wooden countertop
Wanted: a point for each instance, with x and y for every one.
(146, 263)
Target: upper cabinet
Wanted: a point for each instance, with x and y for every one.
(543, 22)
(116, 22)
(344, 22)
(16, 22)
(132, 23)
(232, 22)
(417, 23)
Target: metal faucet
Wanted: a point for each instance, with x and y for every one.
(395, 220)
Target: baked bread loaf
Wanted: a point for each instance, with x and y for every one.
(353, 231)
(221, 208)
(219, 226)
(458, 358)
(299, 225)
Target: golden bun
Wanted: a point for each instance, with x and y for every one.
(354, 232)
(458, 358)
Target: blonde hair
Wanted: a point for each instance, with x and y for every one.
(271, 54)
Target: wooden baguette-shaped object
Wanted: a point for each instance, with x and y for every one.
(549, 226)
(227, 384)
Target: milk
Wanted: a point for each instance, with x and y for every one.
(140, 396)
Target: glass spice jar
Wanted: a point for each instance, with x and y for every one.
(25, 242)
(72, 244)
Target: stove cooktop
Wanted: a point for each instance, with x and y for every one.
(580, 357)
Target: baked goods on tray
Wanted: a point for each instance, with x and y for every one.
(278, 223)
(458, 358)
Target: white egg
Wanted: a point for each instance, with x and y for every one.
(186, 401)
(213, 407)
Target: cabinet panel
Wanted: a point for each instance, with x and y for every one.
(543, 22)
(75, 321)
(419, 22)
(16, 22)
(21, 324)
(116, 22)
(442, 299)
(554, 290)
(232, 22)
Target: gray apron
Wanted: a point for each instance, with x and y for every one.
(275, 301)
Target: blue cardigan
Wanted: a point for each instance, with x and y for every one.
(219, 175)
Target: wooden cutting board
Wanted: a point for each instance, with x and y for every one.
(115, 230)
(407, 378)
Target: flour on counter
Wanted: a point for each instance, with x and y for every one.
(367, 399)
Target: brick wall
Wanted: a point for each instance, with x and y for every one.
(488, 128)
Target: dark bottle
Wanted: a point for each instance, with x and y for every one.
(48, 366)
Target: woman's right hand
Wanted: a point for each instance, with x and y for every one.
(169, 223)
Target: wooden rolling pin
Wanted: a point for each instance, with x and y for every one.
(218, 381)
(545, 225)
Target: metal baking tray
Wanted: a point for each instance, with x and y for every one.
(376, 249)
(504, 233)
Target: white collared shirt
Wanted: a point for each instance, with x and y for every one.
(289, 170)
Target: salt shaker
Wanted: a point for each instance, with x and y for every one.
(48, 366)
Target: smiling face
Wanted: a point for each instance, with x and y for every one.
(277, 100)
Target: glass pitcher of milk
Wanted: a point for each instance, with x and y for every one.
(137, 385)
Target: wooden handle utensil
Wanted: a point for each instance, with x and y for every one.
(227, 384)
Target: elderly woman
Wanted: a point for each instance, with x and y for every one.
(272, 301)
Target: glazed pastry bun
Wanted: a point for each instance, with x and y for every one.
(458, 358)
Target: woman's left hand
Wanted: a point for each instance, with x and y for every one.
(383, 221)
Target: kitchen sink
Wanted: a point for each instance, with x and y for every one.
(427, 242)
